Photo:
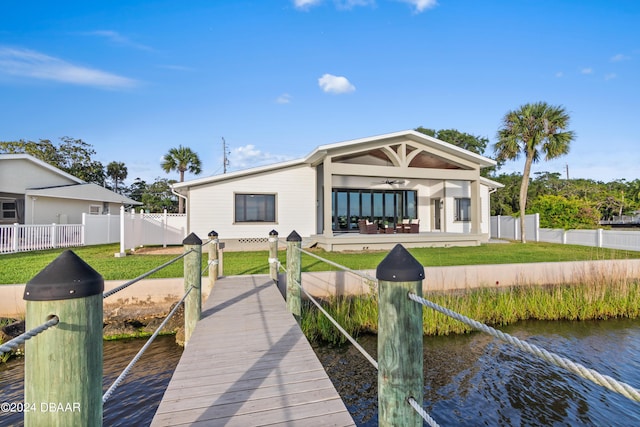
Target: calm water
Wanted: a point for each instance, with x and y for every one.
(135, 400)
(471, 380)
(474, 380)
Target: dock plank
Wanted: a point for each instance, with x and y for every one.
(248, 364)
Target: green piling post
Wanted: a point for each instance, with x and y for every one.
(192, 278)
(294, 242)
(273, 255)
(399, 339)
(213, 258)
(63, 365)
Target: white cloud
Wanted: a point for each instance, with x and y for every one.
(115, 37)
(249, 156)
(285, 98)
(619, 57)
(421, 5)
(350, 4)
(305, 4)
(587, 71)
(559, 74)
(31, 64)
(335, 84)
(610, 76)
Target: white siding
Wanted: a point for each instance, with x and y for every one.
(18, 174)
(211, 206)
(49, 210)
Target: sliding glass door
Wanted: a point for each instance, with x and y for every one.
(381, 206)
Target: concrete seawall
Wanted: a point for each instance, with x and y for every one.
(155, 297)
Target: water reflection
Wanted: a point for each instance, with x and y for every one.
(473, 380)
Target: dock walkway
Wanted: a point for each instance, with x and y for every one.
(248, 364)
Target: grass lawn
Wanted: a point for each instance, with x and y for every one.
(21, 267)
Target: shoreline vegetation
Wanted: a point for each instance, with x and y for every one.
(602, 298)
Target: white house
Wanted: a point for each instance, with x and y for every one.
(386, 180)
(35, 192)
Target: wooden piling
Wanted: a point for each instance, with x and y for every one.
(63, 365)
(273, 255)
(400, 374)
(192, 279)
(294, 276)
(213, 258)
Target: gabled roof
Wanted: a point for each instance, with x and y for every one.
(318, 154)
(84, 191)
(42, 164)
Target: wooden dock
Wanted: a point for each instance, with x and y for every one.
(248, 364)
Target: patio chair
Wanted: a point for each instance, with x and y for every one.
(367, 227)
(403, 227)
(414, 226)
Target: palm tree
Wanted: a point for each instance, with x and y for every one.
(117, 171)
(533, 130)
(181, 159)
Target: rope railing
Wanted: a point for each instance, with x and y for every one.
(370, 279)
(420, 410)
(126, 370)
(22, 338)
(576, 368)
(144, 275)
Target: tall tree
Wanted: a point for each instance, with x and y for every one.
(181, 159)
(117, 171)
(533, 130)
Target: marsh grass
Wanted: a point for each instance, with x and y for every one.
(596, 299)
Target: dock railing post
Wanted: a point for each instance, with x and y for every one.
(294, 276)
(273, 255)
(192, 278)
(400, 375)
(63, 365)
(213, 258)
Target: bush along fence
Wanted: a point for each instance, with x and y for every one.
(508, 227)
(63, 342)
(399, 280)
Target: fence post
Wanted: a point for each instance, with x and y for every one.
(599, 238)
(192, 278)
(273, 255)
(123, 233)
(16, 237)
(294, 242)
(54, 237)
(400, 334)
(213, 258)
(63, 365)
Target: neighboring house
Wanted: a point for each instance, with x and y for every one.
(384, 179)
(34, 192)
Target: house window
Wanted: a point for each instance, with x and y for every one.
(463, 209)
(255, 208)
(95, 210)
(8, 210)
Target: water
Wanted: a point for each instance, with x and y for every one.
(135, 400)
(470, 380)
(474, 380)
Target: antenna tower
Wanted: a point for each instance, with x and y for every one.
(225, 151)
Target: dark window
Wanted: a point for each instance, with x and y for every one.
(463, 209)
(255, 208)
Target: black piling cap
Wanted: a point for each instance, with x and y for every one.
(213, 233)
(192, 239)
(66, 277)
(400, 266)
(294, 237)
(273, 233)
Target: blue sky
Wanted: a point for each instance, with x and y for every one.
(277, 78)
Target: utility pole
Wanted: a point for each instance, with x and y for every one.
(225, 152)
(567, 167)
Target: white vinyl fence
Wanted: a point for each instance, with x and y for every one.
(507, 227)
(132, 230)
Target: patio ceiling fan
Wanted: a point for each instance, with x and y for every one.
(391, 181)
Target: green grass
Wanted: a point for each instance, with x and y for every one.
(21, 267)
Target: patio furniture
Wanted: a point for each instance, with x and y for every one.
(367, 227)
(414, 226)
(403, 227)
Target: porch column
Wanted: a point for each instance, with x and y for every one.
(476, 208)
(327, 201)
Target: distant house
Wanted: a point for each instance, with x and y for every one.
(34, 192)
(387, 181)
